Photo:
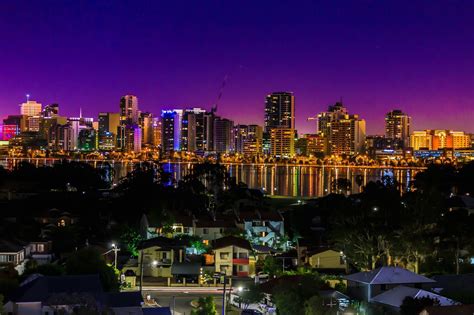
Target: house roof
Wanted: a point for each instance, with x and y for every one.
(395, 296)
(265, 249)
(271, 215)
(124, 299)
(10, 246)
(388, 275)
(161, 241)
(209, 223)
(231, 241)
(186, 268)
(450, 310)
(42, 288)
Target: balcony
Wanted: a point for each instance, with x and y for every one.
(240, 261)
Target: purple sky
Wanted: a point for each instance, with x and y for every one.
(377, 55)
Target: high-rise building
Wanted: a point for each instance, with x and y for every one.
(30, 108)
(107, 131)
(171, 130)
(18, 120)
(397, 126)
(156, 131)
(280, 110)
(223, 135)
(282, 142)
(248, 139)
(129, 113)
(334, 112)
(439, 139)
(146, 123)
(344, 133)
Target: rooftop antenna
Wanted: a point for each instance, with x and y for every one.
(80, 112)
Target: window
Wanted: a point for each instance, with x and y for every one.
(186, 230)
(224, 256)
(164, 255)
(40, 248)
(205, 231)
(241, 268)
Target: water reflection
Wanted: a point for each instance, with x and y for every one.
(283, 180)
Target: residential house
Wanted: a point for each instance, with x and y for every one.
(47, 295)
(233, 256)
(158, 255)
(264, 227)
(212, 228)
(182, 224)
(15, 253)
(392, 299)
(327, 260)
(41, 251)
(460, 286)
(368, 284)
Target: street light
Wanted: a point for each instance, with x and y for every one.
(115, 249)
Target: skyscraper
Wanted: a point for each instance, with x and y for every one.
(282, 142)
(108, 129)
(30, 108)
(171, 123)
(223, 135)
(280, 110)
(344, 133)
(397, 127)
(129, 113)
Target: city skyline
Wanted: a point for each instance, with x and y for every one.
(177, 55)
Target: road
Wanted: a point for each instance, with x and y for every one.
(182, 299)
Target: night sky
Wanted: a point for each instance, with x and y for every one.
(377, 55)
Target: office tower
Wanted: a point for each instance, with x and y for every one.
(334, 112)
(107, 130)
(397, 127)
(280, 110)
(344, 132)
(282, 142)
(312, 145)
(156, 131)
(129, 113)
(108, 122)
(33, 123)
(87, 140)
(188, 131)
(171, 130)
(51, 110)
(248, 139)
(439, 139)
(223, 135)
(30, 108)
(133, 138)
(146, 123)
(18, 120)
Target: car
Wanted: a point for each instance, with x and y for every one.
(251, 312)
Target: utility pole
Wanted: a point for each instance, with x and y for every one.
(141, 271)
(223, 298)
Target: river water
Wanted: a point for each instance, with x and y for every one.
(278, 180)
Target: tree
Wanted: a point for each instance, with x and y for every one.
(271, 266)
(90, 261)
(315, 306)
(131, 238)
(206, 306)
(411, 306)
(293, 291)
(252, 295)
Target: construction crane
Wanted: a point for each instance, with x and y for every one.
(219, 96)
